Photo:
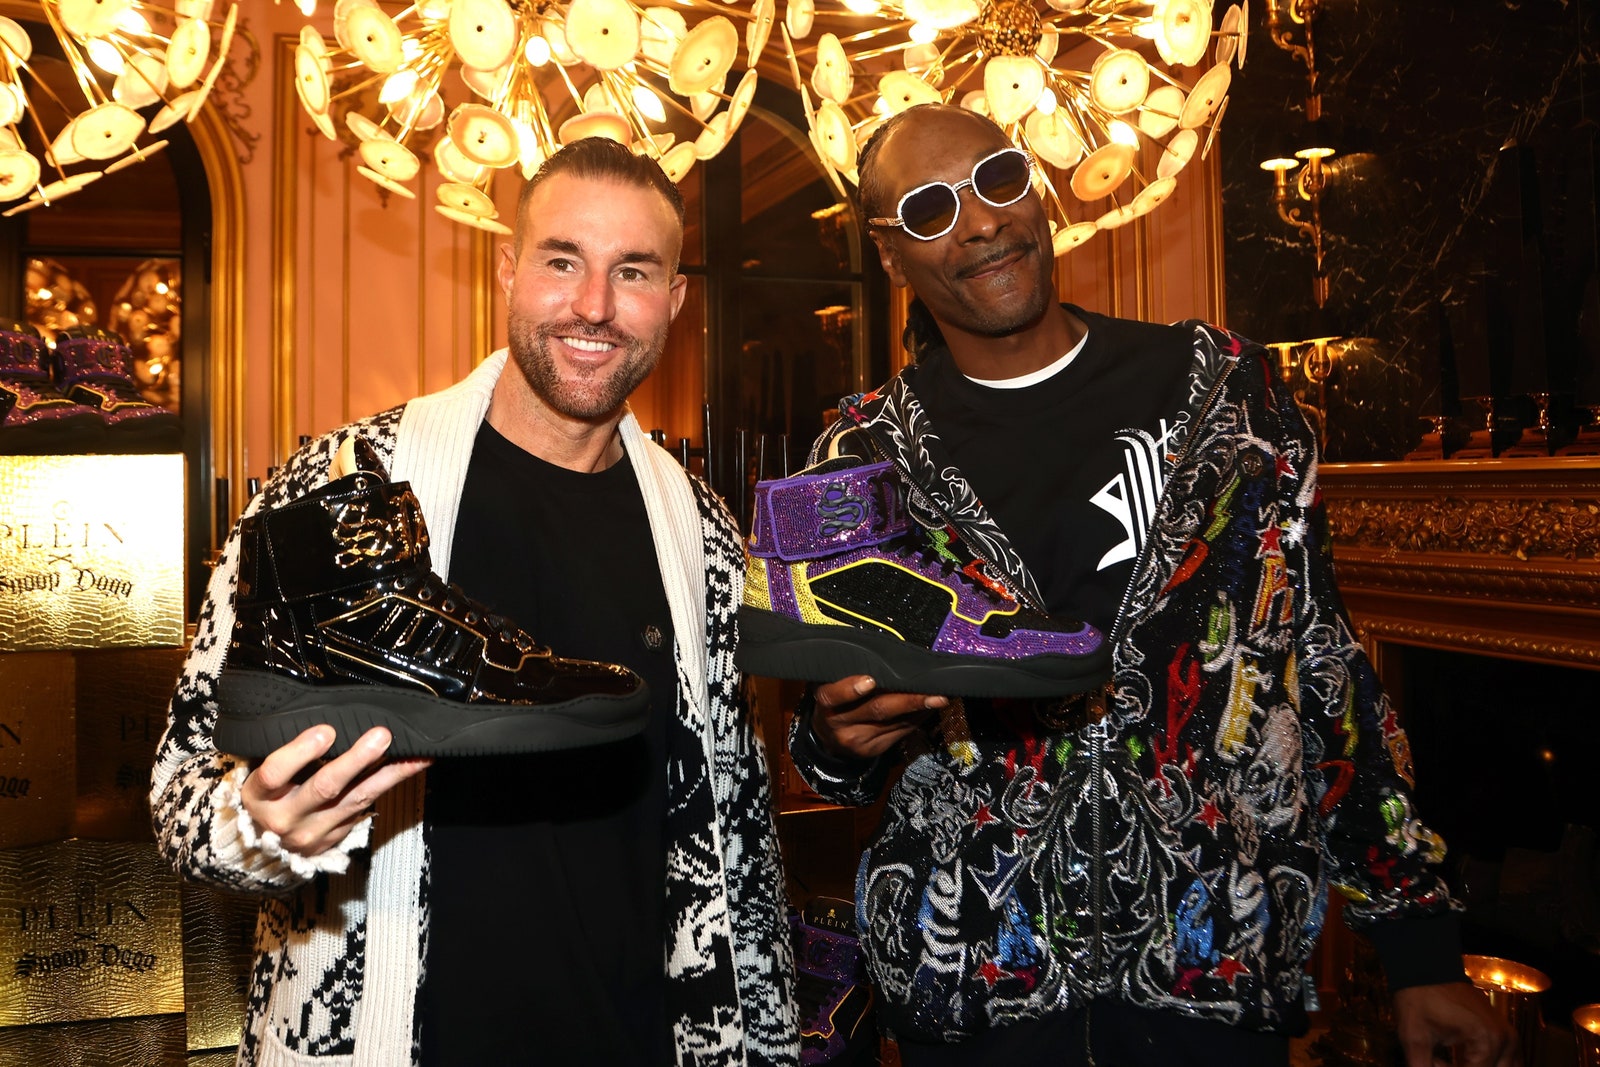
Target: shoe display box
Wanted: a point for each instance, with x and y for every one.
(91, 552)
(106, 956)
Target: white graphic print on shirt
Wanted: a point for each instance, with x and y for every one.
(1131, 496)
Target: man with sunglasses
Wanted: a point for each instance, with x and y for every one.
(1135, 876)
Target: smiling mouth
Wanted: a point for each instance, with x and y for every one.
(589, 344)
(994, 261)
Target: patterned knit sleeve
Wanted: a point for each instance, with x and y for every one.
(756, 895)
(201, 827)
(1382, 858)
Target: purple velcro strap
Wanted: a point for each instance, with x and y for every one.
(811, 515)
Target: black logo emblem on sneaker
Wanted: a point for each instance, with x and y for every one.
(841, 510)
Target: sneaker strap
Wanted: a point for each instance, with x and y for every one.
(821, 514)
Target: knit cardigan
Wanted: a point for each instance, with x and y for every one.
(342, 937)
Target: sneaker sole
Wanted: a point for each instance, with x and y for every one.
(261, 712)
(776, 646)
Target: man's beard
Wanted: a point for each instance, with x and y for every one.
(593, 393)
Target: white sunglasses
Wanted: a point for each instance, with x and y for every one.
(929, 211)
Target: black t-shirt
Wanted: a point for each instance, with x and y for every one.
(547, 935)
(1071, 467)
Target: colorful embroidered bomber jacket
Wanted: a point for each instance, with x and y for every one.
(1175, 854)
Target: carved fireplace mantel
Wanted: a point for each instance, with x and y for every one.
(1497, 557)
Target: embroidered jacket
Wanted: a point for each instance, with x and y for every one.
(341, 938)
(1176, 853)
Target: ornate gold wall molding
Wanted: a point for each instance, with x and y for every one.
(1507, 645)
(1446, 579)
(1499, 557)
(228, 96)
(1523, 528)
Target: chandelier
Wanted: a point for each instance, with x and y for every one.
(125, 57)
(529, 76)
(1084, 85)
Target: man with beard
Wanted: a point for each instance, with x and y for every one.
(1161, 848)
(616, 904)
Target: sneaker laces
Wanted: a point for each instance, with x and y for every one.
(911, 547)
(456, 604)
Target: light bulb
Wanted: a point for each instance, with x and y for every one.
(862, 7)
(649, 104)
(1046, 102)
(1122, 133)
(307, 7)
(133, 23)
(105, 55)
(922, 33)
(538, 51)
(397, 86)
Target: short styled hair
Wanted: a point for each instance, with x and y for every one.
(600, 157)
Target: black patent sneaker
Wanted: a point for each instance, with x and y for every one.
(340, 619)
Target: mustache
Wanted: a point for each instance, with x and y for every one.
(990, 258)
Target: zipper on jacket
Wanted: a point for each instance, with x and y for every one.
(1097, 733)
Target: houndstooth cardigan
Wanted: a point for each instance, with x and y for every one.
(342, 937)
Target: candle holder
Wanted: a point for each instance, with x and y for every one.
(1535, 440)
(1586, 1032)
(1444, 436)
(1513, 990)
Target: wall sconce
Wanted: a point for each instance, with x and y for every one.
(1316, 358)
(1283, 17)
(1285, 20)
(1307, 186)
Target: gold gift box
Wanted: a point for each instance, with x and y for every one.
(91, 551)
(38, 780)
(151, 1041)
(219, 936)
(122, 697)
(88, 930)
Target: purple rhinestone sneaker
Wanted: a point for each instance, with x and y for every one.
(95, 369)
(840, 581)
(37, 418)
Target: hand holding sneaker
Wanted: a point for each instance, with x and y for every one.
(851, 718)
(312, 814)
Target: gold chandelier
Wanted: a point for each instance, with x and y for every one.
(150, 54)
(533, 75)
(1082, 84)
